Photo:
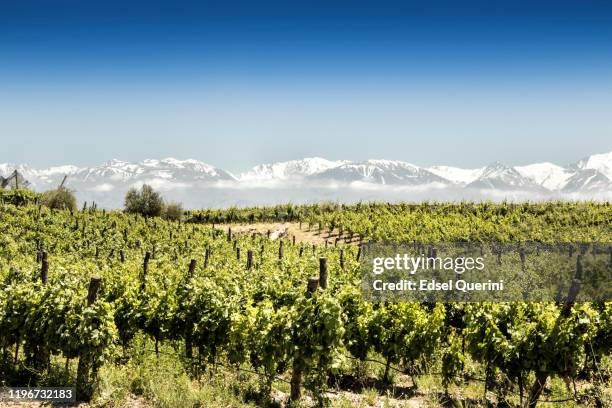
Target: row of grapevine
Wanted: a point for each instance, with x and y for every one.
(244, 300)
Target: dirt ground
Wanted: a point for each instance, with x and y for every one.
(290, 230)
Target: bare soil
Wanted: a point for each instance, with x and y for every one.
(289, 230)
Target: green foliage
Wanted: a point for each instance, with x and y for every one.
(59, 199)
(173, 211)
(261, 318)
(146, 202)
(20, 196)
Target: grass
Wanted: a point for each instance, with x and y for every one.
(150, 380)
(161, 382)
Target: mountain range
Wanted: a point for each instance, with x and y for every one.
(314, 179)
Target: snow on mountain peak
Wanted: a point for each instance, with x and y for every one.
(107, 182)
(290, 169)
(548, 175)
(456, 174)
(497, 176)
(601, 162)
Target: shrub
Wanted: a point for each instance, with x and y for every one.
(146, 202)
(18, 197)
(173, 211)
(60, 199)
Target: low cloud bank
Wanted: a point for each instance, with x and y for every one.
(225, 193)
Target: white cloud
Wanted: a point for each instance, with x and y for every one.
(102, 188)
(163, 185)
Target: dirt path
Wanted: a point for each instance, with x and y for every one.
(290, 230)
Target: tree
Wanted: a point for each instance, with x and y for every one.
(61, 199)
(173, 211)
(146, 202)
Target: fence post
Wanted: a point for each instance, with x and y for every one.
(541, 377)
(323, 272)
(249, 264)
(86, 372)
(192, 266)
(188, 345)
(296, 374)
(44, 269)
(145, 270)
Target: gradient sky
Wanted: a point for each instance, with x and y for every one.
(237, 83)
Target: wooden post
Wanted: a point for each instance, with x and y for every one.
(94, 287)
(229, 234)
(122, 256)
(342, 259)
(192, 266)
(42, 355)
(323, 272)
(541, 376)
(86, 374)
(574, 288)
(280, 249)
(145, 270)
(44, 268)
(313, 283)
(249, 264)
(206, 256)
(294, 240)
(358, 253)
(301, 251)
(296, 374)
(238, 254)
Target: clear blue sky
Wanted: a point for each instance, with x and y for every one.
(236, 83)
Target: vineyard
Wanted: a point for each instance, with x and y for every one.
(89, 291)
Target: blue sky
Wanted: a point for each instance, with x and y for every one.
(236, 83)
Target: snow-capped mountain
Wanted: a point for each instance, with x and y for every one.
(548, 175)
(381, 172)
(117, 171)
(198, 184)
(165, 169)
(455, 174)
(599, 162)
(293, 169)
(587, 180)
(497, 176)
